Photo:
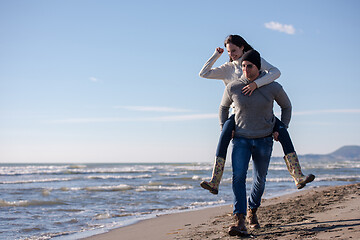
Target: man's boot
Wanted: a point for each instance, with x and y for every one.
(293, 166)
(252, 218)
(239, 229)
(218, 170)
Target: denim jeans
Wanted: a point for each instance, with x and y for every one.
(260, 150)
(229, 126)
(284, 137)
(225, 137)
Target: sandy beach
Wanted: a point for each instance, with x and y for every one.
(317, 213)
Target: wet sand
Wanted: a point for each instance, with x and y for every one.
(316, 213)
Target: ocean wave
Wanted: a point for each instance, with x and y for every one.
(210, 203)
(163, 188)
(27, 230)
(102, 216)
(37, 180)
(196, 177)
(344, 178)
(107, 171)
(155, 183)
(31, 169)
(121, 187)
(119, 177)
(277, 168)
(187, 168)
(334, 166)
(71, 169)
(27, 203)
(318, 164)
(46, 236)
(69, 210)
(324, 164)
(172, 174)
(66, 189)
(77, 166)
(284, 179)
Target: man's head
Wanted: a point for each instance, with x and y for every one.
(251, 64)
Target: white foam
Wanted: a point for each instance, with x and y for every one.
(26, 203)
(121, 187)
(119, 177)
(207, 203)
(163, 188)
(37, 180)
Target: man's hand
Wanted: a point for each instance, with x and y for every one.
(276, 136)
(220, 50)
(248, 89)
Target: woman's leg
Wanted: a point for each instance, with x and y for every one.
(225, 137)
(284, 137)
(221, 151)
(291, 159)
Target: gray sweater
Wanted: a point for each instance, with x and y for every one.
(232, 71)
(254, 117)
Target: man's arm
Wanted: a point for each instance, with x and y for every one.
(283, 101)
(272, 73)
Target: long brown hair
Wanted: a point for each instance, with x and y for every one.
(238, 41)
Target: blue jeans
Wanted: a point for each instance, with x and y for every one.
(260, 150)
(225, 137)
(284, 137)
(229, 126)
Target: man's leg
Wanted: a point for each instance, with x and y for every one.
(240, 163)
(261, 159)
(261, 154)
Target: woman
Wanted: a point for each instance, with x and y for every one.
(236, 46)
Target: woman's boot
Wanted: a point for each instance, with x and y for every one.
(239, 229)
(218, 170)
(293, 166)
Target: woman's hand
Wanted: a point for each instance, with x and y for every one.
(220, 50)
(248, 89)
(276, 136)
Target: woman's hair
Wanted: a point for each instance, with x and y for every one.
(238, 41)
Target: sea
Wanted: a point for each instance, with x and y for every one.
(74, 201)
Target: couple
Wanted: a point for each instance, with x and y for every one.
(251, 92)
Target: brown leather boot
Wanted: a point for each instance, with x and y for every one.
(252, 218)
(239, 229)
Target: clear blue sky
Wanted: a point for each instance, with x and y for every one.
(117, 81)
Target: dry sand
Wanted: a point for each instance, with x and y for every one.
(318, 213)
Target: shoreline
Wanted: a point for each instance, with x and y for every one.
(313, 213)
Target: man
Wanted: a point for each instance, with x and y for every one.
(254, 123)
